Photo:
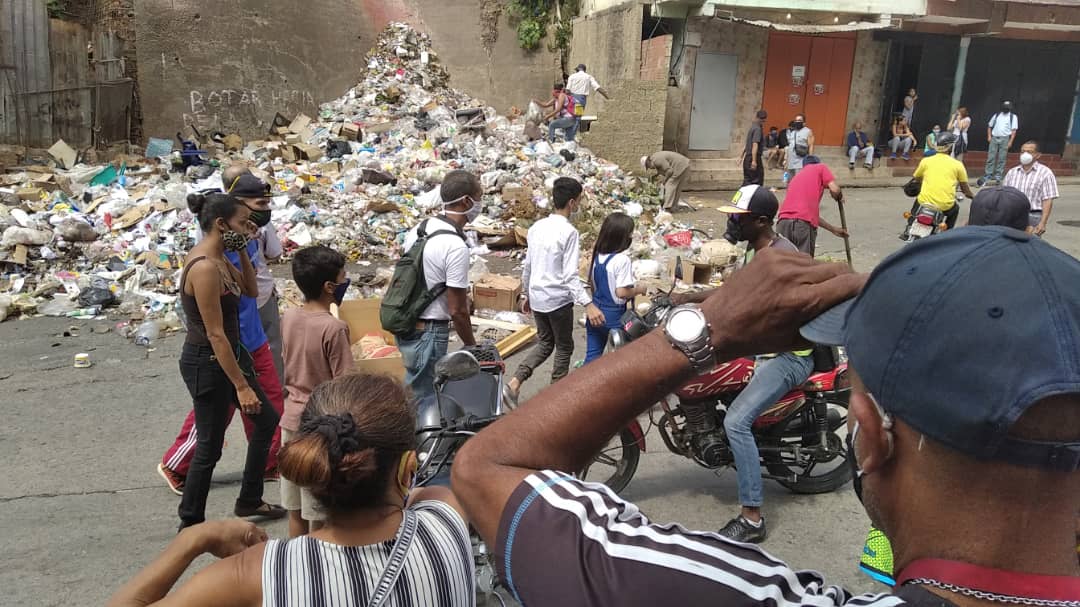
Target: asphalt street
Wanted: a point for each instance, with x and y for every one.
(82, 507)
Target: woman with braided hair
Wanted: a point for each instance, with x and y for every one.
(384, 543)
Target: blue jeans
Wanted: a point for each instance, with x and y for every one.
(773, 378)
(579, 100)
(568, 124)
(596, 337)
(420, 351)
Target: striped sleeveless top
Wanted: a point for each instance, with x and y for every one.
(438, 570)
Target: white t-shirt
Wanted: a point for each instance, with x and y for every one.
(581, 83)
(620, 273)
(446, 260)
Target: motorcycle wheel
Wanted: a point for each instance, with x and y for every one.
(806, 482)
(616, 463)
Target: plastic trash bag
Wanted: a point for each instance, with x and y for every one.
(97, 296)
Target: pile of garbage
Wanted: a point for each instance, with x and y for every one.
(79, 239)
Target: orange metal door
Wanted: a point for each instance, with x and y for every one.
(783, 97)
(810, 75)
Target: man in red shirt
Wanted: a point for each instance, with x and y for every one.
(800, 213)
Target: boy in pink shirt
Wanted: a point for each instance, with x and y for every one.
(316, 349)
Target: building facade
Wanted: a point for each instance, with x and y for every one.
(832, 64)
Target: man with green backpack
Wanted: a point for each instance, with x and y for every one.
(430, 284)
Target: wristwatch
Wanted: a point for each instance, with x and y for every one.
(688, 331)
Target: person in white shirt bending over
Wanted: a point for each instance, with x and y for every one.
(552, 286)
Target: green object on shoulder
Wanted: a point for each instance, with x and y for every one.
(877, 558)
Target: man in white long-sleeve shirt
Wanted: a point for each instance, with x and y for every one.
(551, 285)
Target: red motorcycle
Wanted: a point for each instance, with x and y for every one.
(797, 437)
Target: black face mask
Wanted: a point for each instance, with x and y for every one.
(1006, 109)
(797, 125)
(260, 218)
(733, 233)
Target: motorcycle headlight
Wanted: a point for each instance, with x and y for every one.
(616, 339)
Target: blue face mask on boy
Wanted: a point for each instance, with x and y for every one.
(339, 291)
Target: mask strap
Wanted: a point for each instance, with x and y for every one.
(455, 201)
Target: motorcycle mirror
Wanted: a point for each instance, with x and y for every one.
(456, 366)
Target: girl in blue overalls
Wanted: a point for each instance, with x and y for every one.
(611, 278)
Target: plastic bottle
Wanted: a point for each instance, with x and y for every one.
(147, 333)
(787, 176)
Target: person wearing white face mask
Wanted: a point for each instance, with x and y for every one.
(1037, 182)
(552, 285)
(446, 264)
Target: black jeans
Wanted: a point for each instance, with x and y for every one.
(752, 176)
(213, 397)
(554, 333)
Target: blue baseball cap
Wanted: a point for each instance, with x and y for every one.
(960, 333)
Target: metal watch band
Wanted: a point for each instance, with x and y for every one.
(699, 350)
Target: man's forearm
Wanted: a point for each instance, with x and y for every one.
(463, 327)
(154, 582)
(1048, 205)
(616, 392)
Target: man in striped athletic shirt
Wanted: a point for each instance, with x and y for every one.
(966, 445)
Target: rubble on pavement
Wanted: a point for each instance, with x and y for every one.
(93, 238)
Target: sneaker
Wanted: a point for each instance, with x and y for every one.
(742, 530)
(906, 157)
(272, 475)
(981, 182)
(892, 156)
(851, 166)
(263, 510)
(172, 479)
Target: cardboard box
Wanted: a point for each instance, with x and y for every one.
(497, 292)
(697, 273)
(310, 152)
(299, 123)
(350, 131)
(516, 193)
(362, 316)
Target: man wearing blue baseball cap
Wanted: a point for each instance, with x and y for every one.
(965, 434)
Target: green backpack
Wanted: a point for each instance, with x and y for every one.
(408, 296)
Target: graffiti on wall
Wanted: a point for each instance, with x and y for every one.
(232, 109)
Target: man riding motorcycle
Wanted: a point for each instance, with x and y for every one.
(751, 217)
(940, 174)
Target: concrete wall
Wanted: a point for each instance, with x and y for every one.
(747, 42)
(233, 65)
(867, 82)
(631, 124)
(609, 44)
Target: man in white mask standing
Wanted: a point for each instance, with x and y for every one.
(446, 264)
(1037, 182)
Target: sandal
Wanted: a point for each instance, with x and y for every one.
(263, 510)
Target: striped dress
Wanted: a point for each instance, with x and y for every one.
(307, 572)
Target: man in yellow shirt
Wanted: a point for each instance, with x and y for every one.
(940, 174)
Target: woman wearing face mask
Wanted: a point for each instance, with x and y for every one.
(959, 125)
(216, 368)
(355, 453)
